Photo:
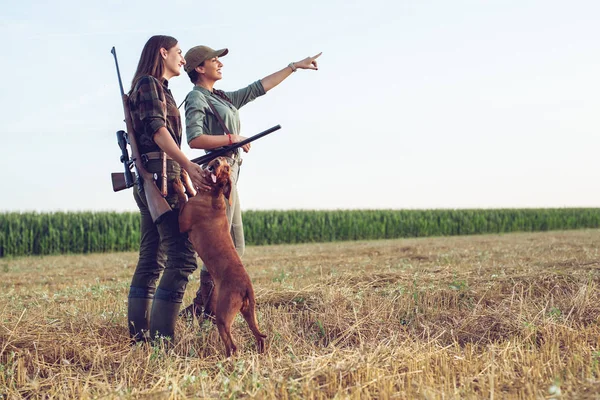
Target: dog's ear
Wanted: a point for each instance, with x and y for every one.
(227, 190)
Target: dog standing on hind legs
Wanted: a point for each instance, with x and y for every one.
(203, 217)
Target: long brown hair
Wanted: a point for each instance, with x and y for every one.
(151, 62)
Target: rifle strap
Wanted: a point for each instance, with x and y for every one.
(163, 155)
(221, 122)
(225, 129)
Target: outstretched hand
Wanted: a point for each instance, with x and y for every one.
(269, 82)
(308, 62)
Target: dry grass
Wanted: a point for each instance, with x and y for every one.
(511, 316)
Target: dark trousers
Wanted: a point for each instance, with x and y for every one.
(162, 249)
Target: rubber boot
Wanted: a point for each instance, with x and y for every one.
(163, 319)
(138, 317)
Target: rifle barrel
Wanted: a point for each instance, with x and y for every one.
(114, 53)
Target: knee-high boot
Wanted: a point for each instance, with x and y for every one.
(139, 303)
(163, 319)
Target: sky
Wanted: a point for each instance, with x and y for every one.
(416, 104)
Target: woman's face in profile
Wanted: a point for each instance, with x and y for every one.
(173, 60)
(212, 69)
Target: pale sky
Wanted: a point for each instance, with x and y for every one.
(416, 104)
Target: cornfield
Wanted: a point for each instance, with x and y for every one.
(23, 234)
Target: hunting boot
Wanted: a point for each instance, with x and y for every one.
(163, 319)
(139, 303)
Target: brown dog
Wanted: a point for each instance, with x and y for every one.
(203, 216)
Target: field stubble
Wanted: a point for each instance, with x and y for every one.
(495, 316)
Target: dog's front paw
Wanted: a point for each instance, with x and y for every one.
(178, 186)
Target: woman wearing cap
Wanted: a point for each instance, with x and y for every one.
(212, 121)
(157, 125)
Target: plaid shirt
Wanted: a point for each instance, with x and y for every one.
(147, 104)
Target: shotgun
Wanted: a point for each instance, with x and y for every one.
(157, 204)
(205, 159)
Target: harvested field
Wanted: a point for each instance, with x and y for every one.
(494, 316)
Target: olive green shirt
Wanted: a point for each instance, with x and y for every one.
(199, 116)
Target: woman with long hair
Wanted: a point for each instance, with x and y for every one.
(152, 310)
(212, 121)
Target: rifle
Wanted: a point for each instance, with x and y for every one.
(145, 181)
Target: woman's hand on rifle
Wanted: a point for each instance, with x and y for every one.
(237, 139)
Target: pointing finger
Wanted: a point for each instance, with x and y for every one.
(317, 56)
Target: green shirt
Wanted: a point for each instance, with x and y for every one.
(200, 119)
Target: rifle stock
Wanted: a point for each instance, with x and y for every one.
(118, 181)
(157, 204)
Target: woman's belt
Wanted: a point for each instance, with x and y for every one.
(153, 163)
(154, 155)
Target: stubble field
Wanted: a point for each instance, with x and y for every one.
(494, 316)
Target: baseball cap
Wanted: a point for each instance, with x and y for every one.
(198, 54)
